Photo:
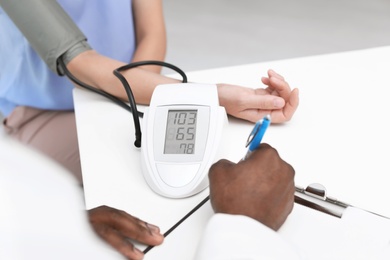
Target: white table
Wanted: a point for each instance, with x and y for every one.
(338, 137)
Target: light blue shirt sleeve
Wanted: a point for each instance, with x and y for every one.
(25, 77)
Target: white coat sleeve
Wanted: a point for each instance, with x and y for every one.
(240, 237)
(42, 209)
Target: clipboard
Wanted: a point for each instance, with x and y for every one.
(315, 215)
(315, 196)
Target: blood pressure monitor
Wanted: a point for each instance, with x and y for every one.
(182, 132)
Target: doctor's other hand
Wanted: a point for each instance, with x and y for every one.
(277, 99)
(116, 227)
(261, 187)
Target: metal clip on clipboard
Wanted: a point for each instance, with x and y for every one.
(314, 196)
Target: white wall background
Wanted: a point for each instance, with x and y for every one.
(206, 34)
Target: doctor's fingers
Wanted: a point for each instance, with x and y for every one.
(110, 218)
(120, 242)
(217, 173)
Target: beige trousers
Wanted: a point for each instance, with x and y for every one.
(50, 132)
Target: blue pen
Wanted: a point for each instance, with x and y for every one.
(255, 137)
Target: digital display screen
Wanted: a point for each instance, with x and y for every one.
(180, 133)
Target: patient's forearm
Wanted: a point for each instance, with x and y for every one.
(97, 70)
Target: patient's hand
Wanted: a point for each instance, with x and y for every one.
(277, 99)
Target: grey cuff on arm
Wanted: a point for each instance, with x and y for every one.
(73, 52)
(48, 28)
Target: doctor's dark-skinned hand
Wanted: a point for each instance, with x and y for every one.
(260, 187)
(116, 227)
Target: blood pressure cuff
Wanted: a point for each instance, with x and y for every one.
(48, 28)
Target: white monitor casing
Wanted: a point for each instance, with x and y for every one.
(180, 175)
